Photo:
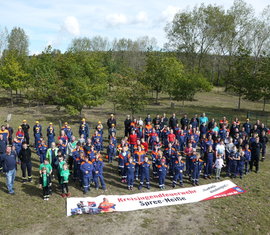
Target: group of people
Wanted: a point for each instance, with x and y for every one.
(170, 147)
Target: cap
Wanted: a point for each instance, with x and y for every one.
(99, 122)
(19, 127)
(163, 160)
(247, 119)
(50, 123)
(83, 120)
(112, 115)
(66, 123)
(37, 122)
(113, 125)
(24, 120)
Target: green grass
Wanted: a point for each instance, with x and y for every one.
(27, 213)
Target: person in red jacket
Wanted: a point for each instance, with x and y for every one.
(145, 145)
(132, 141)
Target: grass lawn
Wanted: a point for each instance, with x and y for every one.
(26, 212)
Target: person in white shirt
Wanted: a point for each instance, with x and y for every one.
(219, 163)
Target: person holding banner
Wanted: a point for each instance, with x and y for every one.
(145, 173)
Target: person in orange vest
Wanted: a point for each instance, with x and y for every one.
(139, 156)
(106, 206)
(148, 130)
(4, 132)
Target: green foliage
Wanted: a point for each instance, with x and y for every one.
(130, 93)
(187, 85)
(83, 82)
(12, 75)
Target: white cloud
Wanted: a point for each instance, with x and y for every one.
(142, 17)
(116, 19)
(169, 13)
(71, 25)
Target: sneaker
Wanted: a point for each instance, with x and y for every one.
(193, 184)
(47, 199)
(131, 188)
(96, 188)
(24, 181)
(140, 187)
(209, 177)
(63, 195)
(30, 180)
(181, 185)
(197, 183)
(173, 185)
(68, 194)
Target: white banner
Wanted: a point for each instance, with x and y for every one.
(110, 203)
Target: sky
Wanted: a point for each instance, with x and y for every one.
(56, 22)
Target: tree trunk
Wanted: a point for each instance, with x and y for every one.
(114, 107)
(264, 103)
(183, 103)
(239, 102)
(156, 97)
(11, 98)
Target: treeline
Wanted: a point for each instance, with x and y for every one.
(206, 46)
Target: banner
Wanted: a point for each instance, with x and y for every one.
(130, 202)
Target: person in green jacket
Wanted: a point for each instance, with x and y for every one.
(61, 163)
(45, 183)
(64, 181)
(51, 155)
(47, 165)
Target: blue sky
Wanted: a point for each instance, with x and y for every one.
(56, 22)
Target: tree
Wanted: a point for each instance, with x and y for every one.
(130, 94)
(240, 77)
(12, 74)
(160, 72)
(80, 45)
(187, 85)
(44, 80)
(84, 82)
(3, 40)
(18, 41)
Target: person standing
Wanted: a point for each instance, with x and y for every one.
(3, 146)
(26, 162)
(256, 148)
(127, 126)
(84, 129)
(10, 133)
(8, 161)
(25, 128)
(173, 121)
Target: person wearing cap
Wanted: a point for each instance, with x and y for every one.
(98, 166)
(112, 130)
(20, 134)
(8, 161)
(25, 128)
(26, 162)
(37, 127)
(196, 166)
(50, 135)
(50, 128)
(84, 129)
(111, 121)
(86, 169)
(162, 172)
(37, 136)
(145, 173)
(179, 167)
(4, 132)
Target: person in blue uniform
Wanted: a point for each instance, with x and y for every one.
(145, 173)
(162, 172)
(179, 167)
(130, 171)
(196, 166)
